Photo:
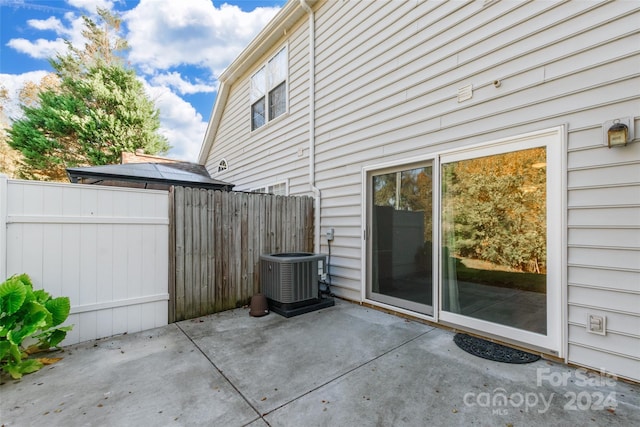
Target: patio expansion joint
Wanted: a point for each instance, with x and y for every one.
(260, 416)
(349, 371)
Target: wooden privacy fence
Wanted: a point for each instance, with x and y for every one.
(216, 239)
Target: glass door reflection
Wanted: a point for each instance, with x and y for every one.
(401, 238)
(494, 239)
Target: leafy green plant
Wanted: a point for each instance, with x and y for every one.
(28, 317)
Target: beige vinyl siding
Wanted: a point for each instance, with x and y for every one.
(387, 79)
(604, 251)
(268, 154)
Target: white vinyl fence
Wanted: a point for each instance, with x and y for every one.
(106, 248)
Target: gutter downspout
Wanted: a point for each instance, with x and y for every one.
(312, 125)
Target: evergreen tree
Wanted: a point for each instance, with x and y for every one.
(98, 110)
(9, 158)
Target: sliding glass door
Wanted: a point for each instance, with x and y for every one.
(473, 237)
(401, 244)
(494, 239)
(500, 239)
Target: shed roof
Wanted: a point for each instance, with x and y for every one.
(148, 175)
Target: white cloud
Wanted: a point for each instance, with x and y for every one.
(42, 48)
(13, 83)
(51, 23)
(190, 32)
(180, 123)
(162, 35)
(39, 49)
(91, 5)
(182, 86)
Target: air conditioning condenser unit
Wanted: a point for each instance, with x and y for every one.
(290, 281)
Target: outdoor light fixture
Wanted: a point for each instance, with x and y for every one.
(617, 134)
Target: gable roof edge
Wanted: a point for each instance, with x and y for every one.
(288, 16)
(214, 121)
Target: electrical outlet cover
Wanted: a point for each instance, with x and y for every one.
(596, 324)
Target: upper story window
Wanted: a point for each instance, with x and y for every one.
(269, 90)
(222, 166)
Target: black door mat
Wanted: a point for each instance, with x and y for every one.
(492, 351)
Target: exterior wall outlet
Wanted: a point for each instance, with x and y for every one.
(330, 234)
(596, 324)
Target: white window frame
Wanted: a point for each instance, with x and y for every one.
(555, 142)
(269, 85)
(223, 165)
(267, 188)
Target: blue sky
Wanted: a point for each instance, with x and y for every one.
(177, 47)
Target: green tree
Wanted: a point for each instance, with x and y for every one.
(9, 158)
(498, 208)
(99, 109)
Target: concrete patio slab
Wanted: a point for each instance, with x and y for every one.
(430, 381)
(152, 378)
(344, 365)
(272, 359)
